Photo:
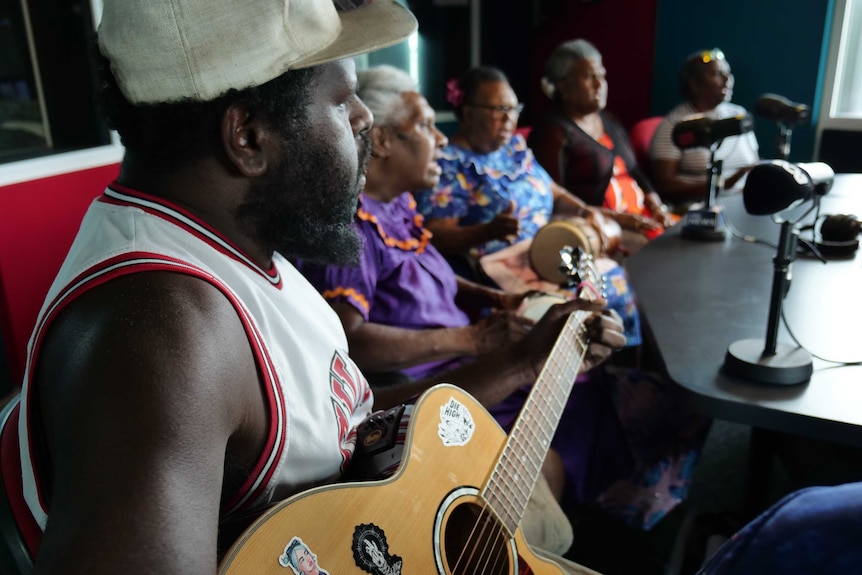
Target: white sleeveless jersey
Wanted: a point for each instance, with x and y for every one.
(297, 340)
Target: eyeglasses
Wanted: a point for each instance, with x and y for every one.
(708, 56)
(499, 111)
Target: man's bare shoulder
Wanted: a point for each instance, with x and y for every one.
(146, 386)
(159, 337)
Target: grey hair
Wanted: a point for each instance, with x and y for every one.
(380, 87)
(561, 59)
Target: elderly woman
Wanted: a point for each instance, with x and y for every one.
(706, 84)
(493, 193)
(586, 150)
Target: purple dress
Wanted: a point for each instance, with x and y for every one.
(603, 437)
(401, 280)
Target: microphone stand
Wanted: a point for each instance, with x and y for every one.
(785, 133)
(769, 361)
(713, 177)
(707, 223)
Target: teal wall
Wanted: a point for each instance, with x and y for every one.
(772, 46)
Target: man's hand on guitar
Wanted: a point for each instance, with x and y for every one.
(604, 330)
(606, 334)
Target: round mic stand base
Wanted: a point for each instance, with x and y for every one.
(788, 366)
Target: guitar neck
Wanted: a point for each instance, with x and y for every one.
(518, 467)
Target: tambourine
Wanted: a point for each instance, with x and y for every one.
(544, 254)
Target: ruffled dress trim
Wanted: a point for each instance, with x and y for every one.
(417, 244)
(511, 161)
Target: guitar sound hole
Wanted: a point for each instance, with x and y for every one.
(475, 542)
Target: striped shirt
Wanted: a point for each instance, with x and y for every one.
(735, 152)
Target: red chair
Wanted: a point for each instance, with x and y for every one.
(641, 136)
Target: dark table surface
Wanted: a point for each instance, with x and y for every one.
(698, 297)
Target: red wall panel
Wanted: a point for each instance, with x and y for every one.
(622, 30)
(38, 221)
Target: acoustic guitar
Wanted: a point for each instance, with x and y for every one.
(453, 506)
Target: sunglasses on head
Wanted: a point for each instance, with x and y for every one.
(708, 56)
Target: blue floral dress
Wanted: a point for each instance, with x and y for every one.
(476, 187)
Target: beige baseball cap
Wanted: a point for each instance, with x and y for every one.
(168, 50)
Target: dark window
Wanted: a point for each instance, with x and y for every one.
(46, 79)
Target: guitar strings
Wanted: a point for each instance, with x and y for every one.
(485, 519)
(490, 527)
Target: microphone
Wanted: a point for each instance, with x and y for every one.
(779, 109)
(773, 185)
(699, 131)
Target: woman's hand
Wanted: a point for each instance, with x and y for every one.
(597, 220)
(731, 181)
(497, 330)
(504, 226)
(658, 211)
(637, 223)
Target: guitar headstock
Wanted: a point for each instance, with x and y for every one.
(582, 277)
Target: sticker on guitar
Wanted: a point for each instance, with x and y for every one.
(300, 559)
(456, 423)
(371, 551)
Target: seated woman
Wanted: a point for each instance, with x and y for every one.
(400, 309)
(587, 151)
(706, 84)
(492, 192)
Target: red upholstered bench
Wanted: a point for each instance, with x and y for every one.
(38, 221)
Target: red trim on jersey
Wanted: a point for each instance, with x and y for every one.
(10, 469)
(176, 215)
(130, 263)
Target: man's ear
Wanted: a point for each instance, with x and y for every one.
(381, 141)
(248, 142)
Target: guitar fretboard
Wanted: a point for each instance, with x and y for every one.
(512, 481)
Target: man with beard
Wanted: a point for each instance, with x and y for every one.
(182, 375)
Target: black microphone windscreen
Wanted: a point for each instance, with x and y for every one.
(779, 109)
(773, 185)
(688, 133)
(700, 131)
